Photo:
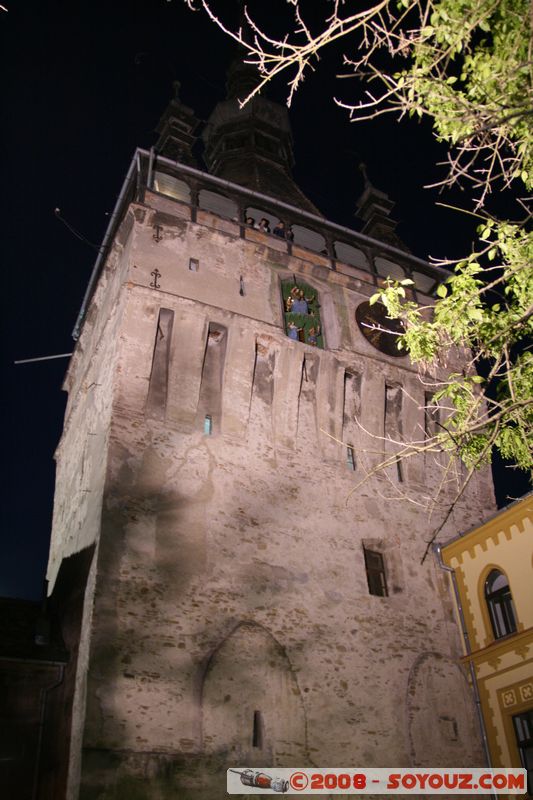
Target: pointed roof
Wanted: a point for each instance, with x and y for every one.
(176, 130)
(252, 146)
(374, 208)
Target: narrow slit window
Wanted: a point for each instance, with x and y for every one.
(393, 428)
(351, 416)
(399, 471)
(209, 410)
(375, 573)
(431, 416)
(257, 733)
(194, 264)
(158, 383)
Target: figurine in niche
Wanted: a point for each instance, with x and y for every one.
(293, 331)
(279, 229)
(312, 336)
(289, 235)
(299, 302)
(291, 299)
(264, 225)
(251, 222)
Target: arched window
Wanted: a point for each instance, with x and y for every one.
(308, 238)
(218, 204)
(349, 254)
(173, 187)
(500, 604)
(302, 313)
(389, 269)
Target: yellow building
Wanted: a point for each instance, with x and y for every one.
(491, 568)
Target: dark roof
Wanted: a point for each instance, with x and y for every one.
(26, 632)
(261, 176)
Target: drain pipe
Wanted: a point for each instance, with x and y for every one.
(102, 252)
(437, 550)
(150, 169)
(44, 697)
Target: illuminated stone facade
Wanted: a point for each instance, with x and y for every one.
(204, 473)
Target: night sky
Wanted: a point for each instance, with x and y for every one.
(85, 83)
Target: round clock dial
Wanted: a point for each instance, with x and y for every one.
(378, 329)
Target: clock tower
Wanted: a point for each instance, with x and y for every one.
(228, 598)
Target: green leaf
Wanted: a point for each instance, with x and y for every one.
(442, 290)
(375, 298)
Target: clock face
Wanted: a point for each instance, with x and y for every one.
(378, 329)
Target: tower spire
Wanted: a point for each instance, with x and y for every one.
(176, 130)
(374, 208)
(252, 146)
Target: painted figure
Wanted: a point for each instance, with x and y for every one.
(299, 303)
(293, 331)
(312, 336)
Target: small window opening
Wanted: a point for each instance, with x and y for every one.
(449, 729)
(350, 457)
(208, 425)
(375, 573)
(500, 604)
(194, 264)
(257, 734)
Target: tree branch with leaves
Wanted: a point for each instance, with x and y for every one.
(467, 65)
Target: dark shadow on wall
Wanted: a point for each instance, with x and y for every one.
(134, 592)
(66, 604)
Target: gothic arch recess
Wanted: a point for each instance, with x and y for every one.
(436, 738)
(248, 682)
